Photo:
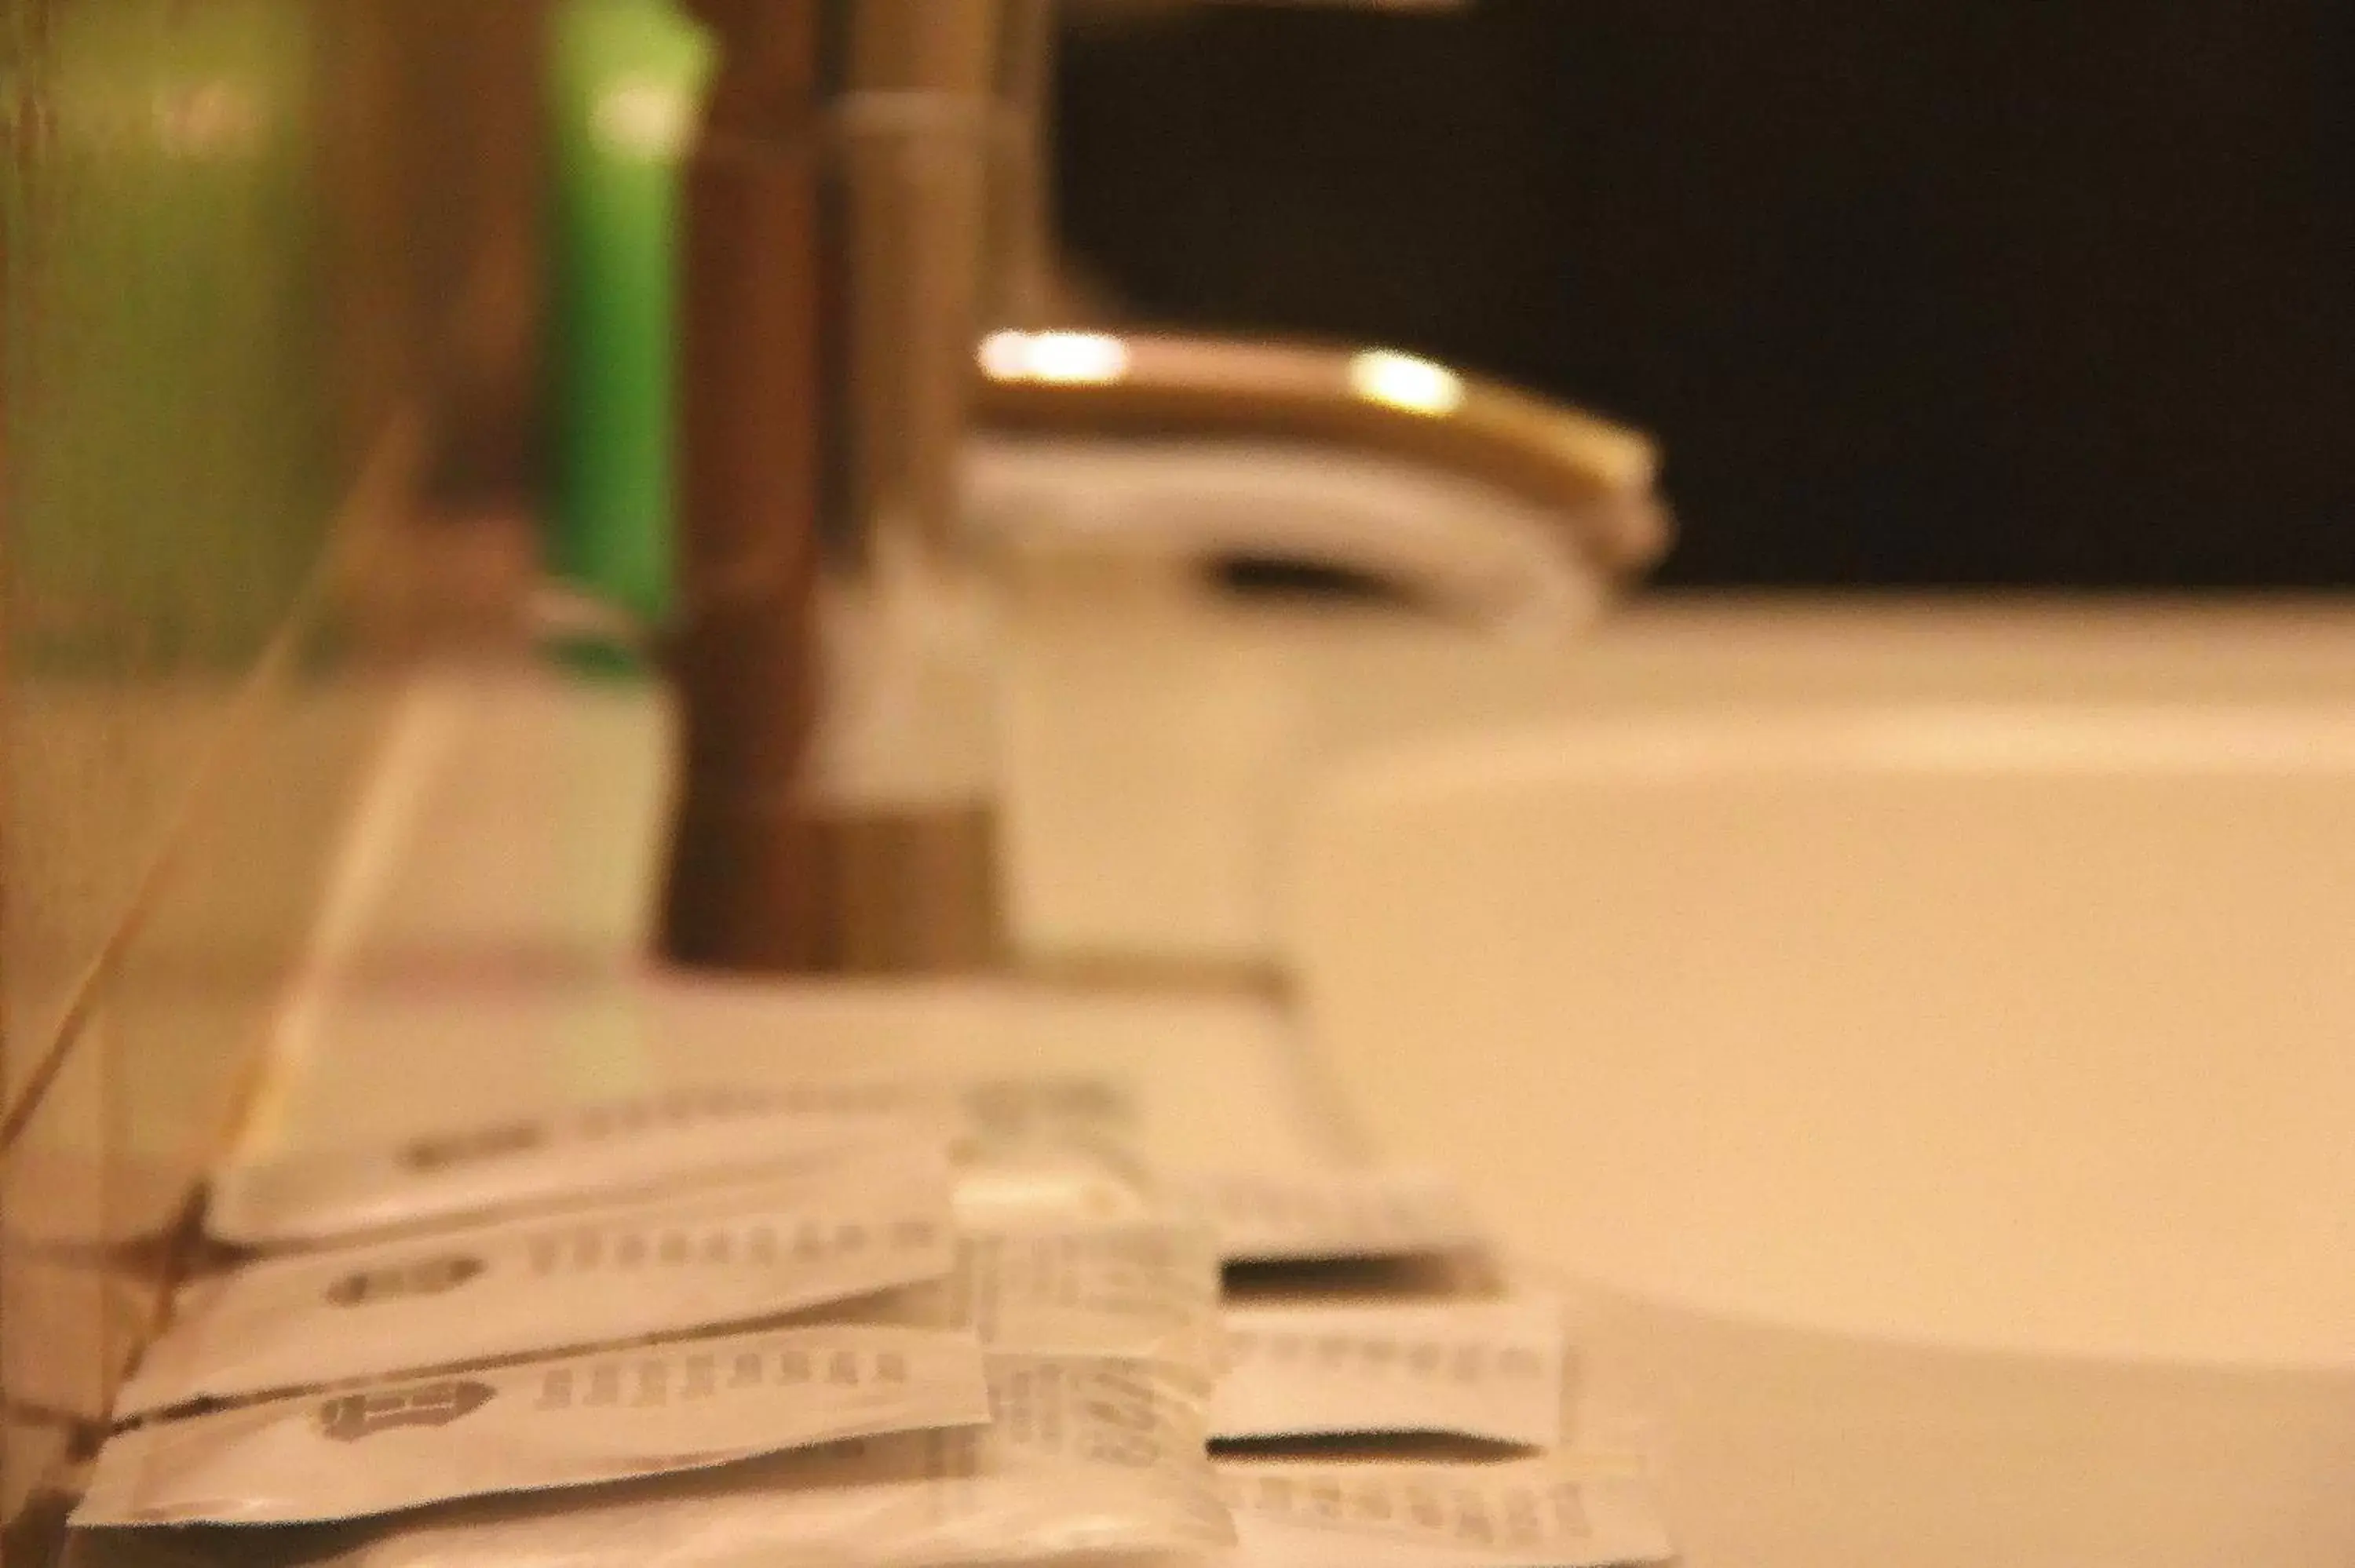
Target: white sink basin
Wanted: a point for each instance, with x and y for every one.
(1951, 1104)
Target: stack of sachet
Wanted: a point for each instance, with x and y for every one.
(870, 1325)
(778, 1329)
(1390, 1398)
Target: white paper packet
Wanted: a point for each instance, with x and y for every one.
(1329, 1215)
(1147, 1290)
(1482, 1369)
(1083, 1457)
(566, 1158)
(1055, 1186)
(566, 1422)
(1535, 1514)
(705, 1258)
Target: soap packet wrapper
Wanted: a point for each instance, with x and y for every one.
(1329, 1215)
(1144, 1290)
(1079, 1250)
(1083, 1457)
(586, 1154)
(1488, 1370)
(1147, 1291)
(1552, 1512)
(559, 1423)
(1051, 1185)
(729, 1254)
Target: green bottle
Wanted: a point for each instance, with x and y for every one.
(626, 79)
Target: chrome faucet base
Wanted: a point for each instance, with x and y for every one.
(833, 890)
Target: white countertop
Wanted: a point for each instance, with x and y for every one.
(483, 952)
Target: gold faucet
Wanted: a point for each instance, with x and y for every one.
(1599, 477)
(866, 195)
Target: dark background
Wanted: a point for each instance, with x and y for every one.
(1916, 291)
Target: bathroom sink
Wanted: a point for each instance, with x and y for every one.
(1926, 1045)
